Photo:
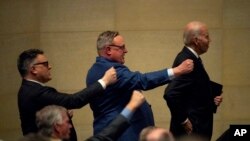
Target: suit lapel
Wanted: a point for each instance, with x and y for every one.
(197, 61)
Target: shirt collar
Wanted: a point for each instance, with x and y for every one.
(192, 50)
(36, 82)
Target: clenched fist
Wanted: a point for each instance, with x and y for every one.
(110, 76)
(185, 67)
(137, 99)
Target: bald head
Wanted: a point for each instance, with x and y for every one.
(192, 30)
(153, 133)
(196, 36)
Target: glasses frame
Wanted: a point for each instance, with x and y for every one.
(45, 63)
(123, 47)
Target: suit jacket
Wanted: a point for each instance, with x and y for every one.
(113, 131)
(189, 96)
(115, 97)
(32, 97)
(225, 136)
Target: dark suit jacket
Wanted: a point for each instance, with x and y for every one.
(189, 96)
(115, 97)
(113, 131)
(32, 97)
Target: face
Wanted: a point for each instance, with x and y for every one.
(63, 128)
(203, 40)
(41, 69)
(117, 50)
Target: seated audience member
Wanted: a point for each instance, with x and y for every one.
(33, 94)
(53, 122)
(153, 133)
(192, 137)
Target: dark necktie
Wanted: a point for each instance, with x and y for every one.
(199, 59)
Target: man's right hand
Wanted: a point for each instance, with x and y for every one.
(110, 76)
(185, 67)
(136, 100)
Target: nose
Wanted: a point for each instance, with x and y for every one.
(49, 67)
(125, 50)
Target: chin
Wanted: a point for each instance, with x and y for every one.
(47, 80)
(122, 61)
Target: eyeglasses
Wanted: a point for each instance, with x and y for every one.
(120, 47)
(46, 64)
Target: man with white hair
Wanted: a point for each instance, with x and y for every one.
(190, 97)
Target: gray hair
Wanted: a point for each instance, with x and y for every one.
(106, 38)
(145, 132)
(192, 30)
(47, 117)
(166, 136)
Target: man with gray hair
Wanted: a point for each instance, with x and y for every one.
(190, 97)
(111, 50)
(53, 121)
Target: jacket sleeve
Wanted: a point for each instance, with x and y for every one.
(143, 81)
(176, 96)
(50, 96)
(178, 92)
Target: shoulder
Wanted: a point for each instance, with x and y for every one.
(183, 55)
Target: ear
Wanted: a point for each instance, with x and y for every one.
(33, 70)
(196, 41)
(108, 51)
(56, 128)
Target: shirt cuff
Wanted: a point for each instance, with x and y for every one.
(171, 74)
(102, 83)
(184, 122)
(127, 113)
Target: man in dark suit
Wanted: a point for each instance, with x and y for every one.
(111, 49)
(33, 95)
(189, 96)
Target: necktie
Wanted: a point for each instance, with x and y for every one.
(199, 59)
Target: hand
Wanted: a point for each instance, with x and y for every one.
(110, 76)
(185, 67)
(218, 100)
(188, 126)
(136, 100)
